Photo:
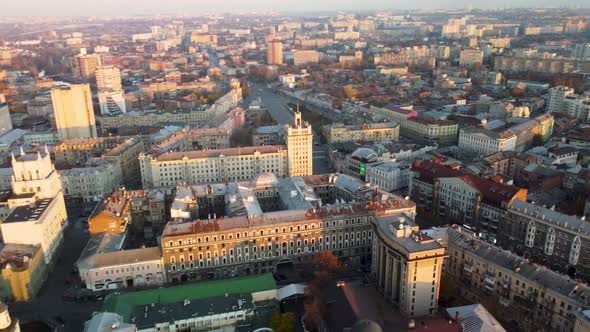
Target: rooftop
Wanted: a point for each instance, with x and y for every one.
(550, 216)
(170, 156)
(30, 212)
(534, 273)
(125, 303)
(475, 318)
(120, 258)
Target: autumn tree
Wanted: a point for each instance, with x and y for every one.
(285, 322)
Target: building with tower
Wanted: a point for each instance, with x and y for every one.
(274, 52)
(293, 157)
(74, 115)
(38, 212)
(299, 139)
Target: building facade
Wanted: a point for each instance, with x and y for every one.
(407, 265)
(274, 52)
(241, 228)
(368, 132)
(553, 239)
(74, 115)
(537, 298)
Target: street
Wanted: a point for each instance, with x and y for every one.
(278, 109)
(49, 303)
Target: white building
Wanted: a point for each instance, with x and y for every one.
(119, 269)
(486, 142)
(389, 176)
(38, 213)
(93, 182)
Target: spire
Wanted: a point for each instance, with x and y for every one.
(13, 159)
(22, 151)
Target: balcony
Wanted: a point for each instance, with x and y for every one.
(504, 301)
(468, 268)
(490, 279)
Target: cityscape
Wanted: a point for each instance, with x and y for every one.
(254, 166)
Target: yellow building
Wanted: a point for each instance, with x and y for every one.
(74, 115)
(204, 39)
(23, 271)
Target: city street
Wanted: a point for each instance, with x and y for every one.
(49, 304)
(278, 109)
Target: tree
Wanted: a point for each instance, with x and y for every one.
(328, 261)
(285, 322)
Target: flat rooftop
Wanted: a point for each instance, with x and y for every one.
(147, 316)
(29, 213)
(125, 303)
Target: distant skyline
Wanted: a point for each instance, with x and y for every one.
(143, 7)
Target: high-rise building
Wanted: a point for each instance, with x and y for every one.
(274, 52)
(299, 141)
(74, 116)
(5, 122)
(556, 98)
(111, 96)
(407, 265)
(108, 78)
(84, 65)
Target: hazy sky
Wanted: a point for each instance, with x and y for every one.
(122, 7)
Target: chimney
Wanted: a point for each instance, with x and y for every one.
(457, 316)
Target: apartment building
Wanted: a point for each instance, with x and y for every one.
(389, 176)
(167, 170)
(96, 179)
(541, 65)
(303, 57)
(124, 208)
(84, 65)
(196, 139)
(78, 151)
(547, 237)
(441, 131)
(23, 271)
(450, 193)
(338, 132)
(519, 135)
(195, 117)
(241, 228)
(74, 114)
(470, 57)
(407, 265)
(274, 53)
(538, 298)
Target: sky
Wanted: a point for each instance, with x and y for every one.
(134, 7)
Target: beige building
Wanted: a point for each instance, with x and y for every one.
(241, 228)
(442, 131)
(535, 297)
(84, 65)
(197, 118)
(74, 115)
(368, 132)
(299, 140)
(274, 52)
(38, 212)
(407, 265)
(196, 139)
(210, 166)
(302, 57)
(470, 57)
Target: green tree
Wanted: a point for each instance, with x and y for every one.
(283, 322)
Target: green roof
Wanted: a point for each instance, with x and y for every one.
(123, 303)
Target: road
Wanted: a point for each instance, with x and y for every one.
(278, 108)
(49, 302)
